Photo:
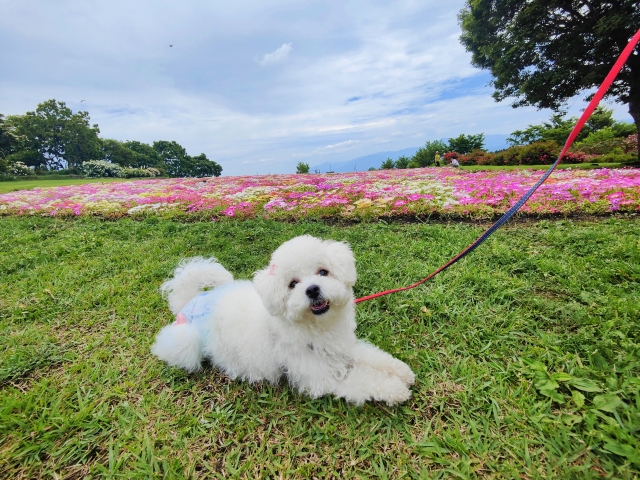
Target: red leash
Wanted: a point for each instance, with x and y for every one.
(574, 133)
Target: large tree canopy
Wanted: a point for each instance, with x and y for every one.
(7, 138)
(178, 164)
(466, 143)
(559, 127)
(543, 52)
(54, 137)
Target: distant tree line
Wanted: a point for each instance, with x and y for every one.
(425, 156)
(602, 139)
(54, 139)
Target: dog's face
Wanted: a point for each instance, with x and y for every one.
(307, 279)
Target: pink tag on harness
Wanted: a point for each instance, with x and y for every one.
(181, 319)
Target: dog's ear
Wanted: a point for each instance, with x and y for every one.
(343, 265)
(271, 292)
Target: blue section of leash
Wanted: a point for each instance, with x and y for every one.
(572, 136)
(508, 214)
(501, 221)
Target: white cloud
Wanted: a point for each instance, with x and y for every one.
(277, 56)
(341, 145)
(366, 76)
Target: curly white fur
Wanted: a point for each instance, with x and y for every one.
(296, 319)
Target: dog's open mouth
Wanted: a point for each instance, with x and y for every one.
(318, 307)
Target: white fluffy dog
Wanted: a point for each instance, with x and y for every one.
(297, 319)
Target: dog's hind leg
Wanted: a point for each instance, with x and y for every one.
(180, 346)
(191, 278)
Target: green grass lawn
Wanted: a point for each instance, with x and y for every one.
(526, 355)
(13, 186)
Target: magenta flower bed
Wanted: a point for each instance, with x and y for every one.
(442, 191)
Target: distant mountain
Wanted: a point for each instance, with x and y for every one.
(361, 164)
(492, 143)
(495, 142)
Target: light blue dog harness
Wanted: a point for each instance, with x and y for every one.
(199, 309)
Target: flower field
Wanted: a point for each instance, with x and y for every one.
(425, 191)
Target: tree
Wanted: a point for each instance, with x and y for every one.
(116, 152)
(302, 167)
(558, 128)
(177, 163)
(200, 166)
(8, 139)
(388, 164)
(403, 162)
(623, 129)
(425, 156)
(600, 118)
(145, 155)
(172, 155)
(81, 142)
(544, 52)
(464, 144)
(56, 137)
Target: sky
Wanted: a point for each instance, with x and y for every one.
(257, 86)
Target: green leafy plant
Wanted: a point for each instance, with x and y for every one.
(613, 412)
(101, 168)
(19, 169)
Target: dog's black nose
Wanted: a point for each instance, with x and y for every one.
(313, 292)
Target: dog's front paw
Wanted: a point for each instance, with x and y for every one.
(404, 372)
(393, 391)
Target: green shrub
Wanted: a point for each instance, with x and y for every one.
(539, 153)
(19, 169)
(611, 145)
(101, 168)
(614, 158)
(30, 158)
(598, 136)
(573, 157)
(477, 157)
(139, 173)
(512, 156)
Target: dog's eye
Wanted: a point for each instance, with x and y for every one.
(293, 283)
(323, 273)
